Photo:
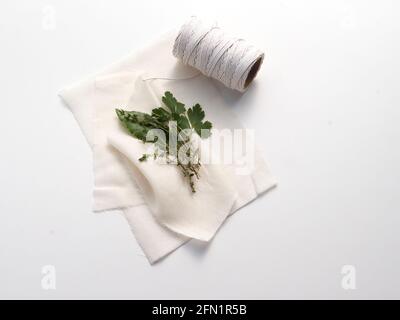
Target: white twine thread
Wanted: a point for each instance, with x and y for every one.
(207, 48)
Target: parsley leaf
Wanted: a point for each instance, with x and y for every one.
(173, 105)
(196, 116)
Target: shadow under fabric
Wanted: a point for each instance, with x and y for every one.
(154, 199)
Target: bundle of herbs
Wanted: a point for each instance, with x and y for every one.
(171, 129)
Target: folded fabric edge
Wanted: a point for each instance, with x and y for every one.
(262, 178)
(161, 243)
(63, 95)
(112, 198)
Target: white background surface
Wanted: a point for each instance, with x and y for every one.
(327, 115)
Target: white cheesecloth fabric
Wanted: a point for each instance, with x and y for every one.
(157, 204)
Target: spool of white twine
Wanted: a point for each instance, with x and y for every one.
(207, 48)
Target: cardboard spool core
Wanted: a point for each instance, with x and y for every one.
(253, 71)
